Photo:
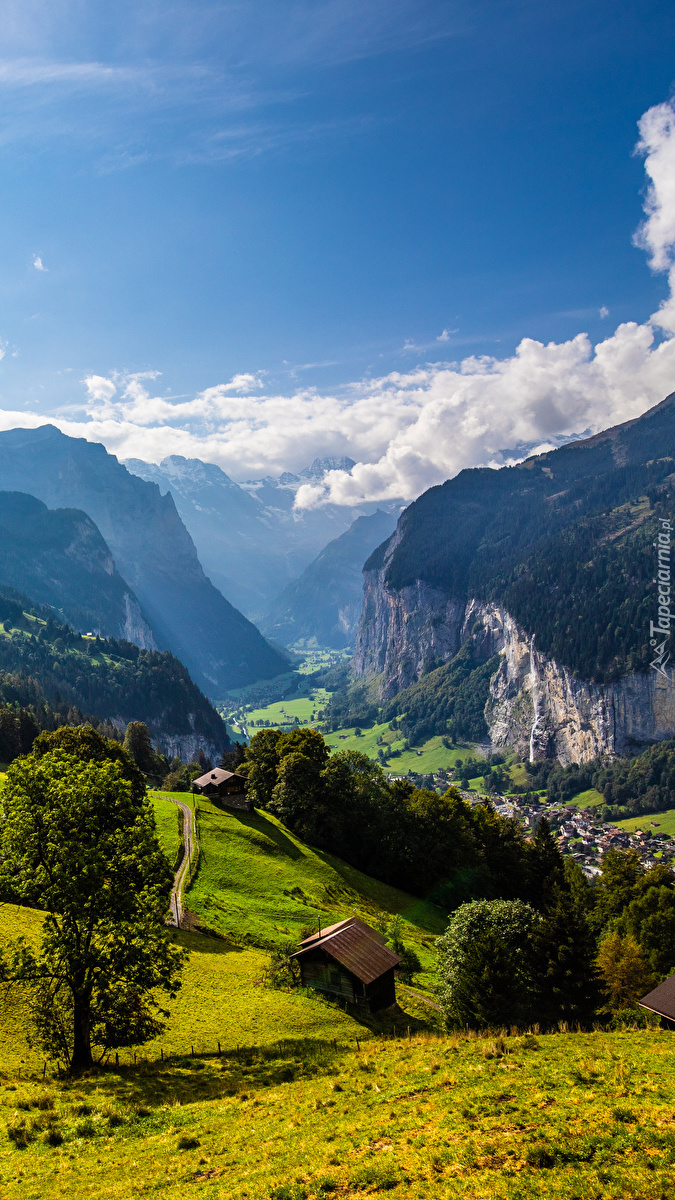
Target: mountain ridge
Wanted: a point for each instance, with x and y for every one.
(152, 551)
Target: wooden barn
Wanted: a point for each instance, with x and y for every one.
(662, 1002)
(351, 962)
(226, 787)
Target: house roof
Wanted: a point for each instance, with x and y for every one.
(357, 947)
(216, 777)
(662, 999)
(314, 937)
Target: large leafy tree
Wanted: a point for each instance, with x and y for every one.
(78, 841)
(486, 964)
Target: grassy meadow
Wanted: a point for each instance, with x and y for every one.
(588, 799)
(260, 1094)
(259, 885)
(569, 1116)
(658, 822)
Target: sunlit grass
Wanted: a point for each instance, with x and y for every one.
(568, 1116)
(658, 822)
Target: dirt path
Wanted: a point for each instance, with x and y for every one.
(190, 845)
(424, 999)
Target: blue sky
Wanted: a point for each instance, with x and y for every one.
(315, 194)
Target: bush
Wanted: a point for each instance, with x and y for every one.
(485, 964)
(188, 1143)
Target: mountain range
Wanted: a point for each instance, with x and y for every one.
(250, 537)
(171, 603)
(323, 606)
(549, 569)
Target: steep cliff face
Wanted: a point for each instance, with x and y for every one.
(58, 557)
(535, 705)
(551, 564)
(538, 707)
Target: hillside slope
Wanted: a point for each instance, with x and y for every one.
(324, 605)
(112, 680)
(58, 557)
(152, 550)
(551, 563)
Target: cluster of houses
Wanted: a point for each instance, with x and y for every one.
(584, 837)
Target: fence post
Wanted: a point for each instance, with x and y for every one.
(193, 1051)
(218, 1049)
(44, 1070)
(161, 1053)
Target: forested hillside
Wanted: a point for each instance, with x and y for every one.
(58, 557)
(629, 786)
(562, 541)
(48, 668)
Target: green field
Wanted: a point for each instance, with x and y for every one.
(259, 884)
(303, 1102)
(284, 712)
(588, 799)
(426, 759)
(660, 822)
(566, 1117)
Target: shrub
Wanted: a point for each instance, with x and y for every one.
(53, 1136)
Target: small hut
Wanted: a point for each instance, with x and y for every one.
(662, 1002)
(350, 962)
(228, 788)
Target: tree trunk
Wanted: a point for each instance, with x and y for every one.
(81, 1057)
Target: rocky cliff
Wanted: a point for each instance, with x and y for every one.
(550, 564)
(535, 705)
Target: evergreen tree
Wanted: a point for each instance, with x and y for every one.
(138, 745)
(485, 964)
(545, 867)
(566, 987)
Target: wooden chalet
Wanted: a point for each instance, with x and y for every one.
(662, 1002)
(351, 962)
(228, 788)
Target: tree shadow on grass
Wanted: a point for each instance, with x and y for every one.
(261, 824)
(238, 1074)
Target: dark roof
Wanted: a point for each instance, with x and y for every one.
(313, 937)
(662, 999)
(217, 776)
(353, 945)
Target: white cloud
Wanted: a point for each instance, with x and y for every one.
(414, 428)
(604, 312)
(38, 263)
(656, 235)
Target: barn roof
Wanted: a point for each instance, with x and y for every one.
(216, 776)
(662, 999)
(357, 947)
(314, 937)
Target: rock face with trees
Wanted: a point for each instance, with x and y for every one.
(550, 565)
(78, 842)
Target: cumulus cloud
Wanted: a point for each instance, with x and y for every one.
(38, 263)
(411, 429)
(656, 234)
